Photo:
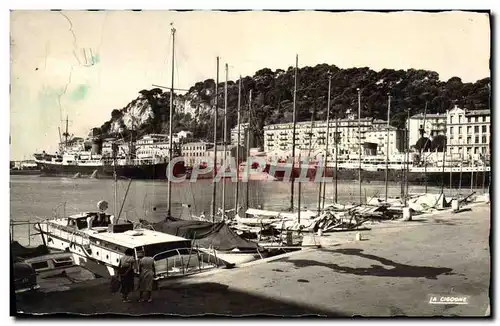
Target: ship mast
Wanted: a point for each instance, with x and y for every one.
(294, 131)
(322, 192)
(238, 151)
(359, 144)
(170, 143)
(225, 149)
(247, 200)
(66, 134)
(214, 189)
(115, 197)
(387, 148)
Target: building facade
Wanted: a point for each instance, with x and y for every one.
(377, 135)
(246, 135)
(152, 146)
(467, 131)
(431, 125)
(230, 153)
(311, 137)
(196, 153)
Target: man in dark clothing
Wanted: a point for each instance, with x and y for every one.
(126, 274)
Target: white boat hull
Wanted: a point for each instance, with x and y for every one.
(234, 257)
(101, 261)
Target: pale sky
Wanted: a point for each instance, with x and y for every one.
(133, 51)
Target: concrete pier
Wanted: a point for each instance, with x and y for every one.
(392, 271)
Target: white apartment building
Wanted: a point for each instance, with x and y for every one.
(312, 136)
(195, 153)
(377, 135)
(230, 152)
(153, 145)
(468, 132)
(243, 134)
(435, 124)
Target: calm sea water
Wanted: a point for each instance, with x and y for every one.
(34, 196)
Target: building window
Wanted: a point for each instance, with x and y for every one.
(451, 130)
(477, 139)
(459, 119)
(476, 129)
(484, 119)
(483, 129)
(484, 140)
(469, 139)
(469, 129)
(459, 130)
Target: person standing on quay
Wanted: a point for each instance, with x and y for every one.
(126, 274)
(146, 277)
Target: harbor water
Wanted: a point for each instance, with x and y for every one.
(33, 197)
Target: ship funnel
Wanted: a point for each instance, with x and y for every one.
(96, 147)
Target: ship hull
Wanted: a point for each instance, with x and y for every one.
(25, 172)
(150, 171)
(432, 178)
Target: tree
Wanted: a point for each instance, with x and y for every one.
(272, 93)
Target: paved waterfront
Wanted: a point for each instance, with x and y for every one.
(391, 273)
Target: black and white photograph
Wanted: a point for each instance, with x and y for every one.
(241, 163)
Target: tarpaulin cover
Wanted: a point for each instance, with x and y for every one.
(21, 251)
(205, 234)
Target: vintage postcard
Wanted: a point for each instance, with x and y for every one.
(250, 163)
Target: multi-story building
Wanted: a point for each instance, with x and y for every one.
(468, 132)
(196, 153)
(244, 135)
(377, 135)
(431, 125)
(230, 153)
(153, 145)
(311, 136)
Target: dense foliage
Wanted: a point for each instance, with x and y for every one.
(272, 99)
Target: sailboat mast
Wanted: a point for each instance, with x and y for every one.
(336, 140)
(294, 130)
(323, 191)
(171, 116)
(300, 190)
(247, 200)
(225, 148)
(425, 160)
(359, 144)
(115, 197)
(238, 151)
(387, 149)
(214, 189)
(407, 166)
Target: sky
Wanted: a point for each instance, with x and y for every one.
(85, 64)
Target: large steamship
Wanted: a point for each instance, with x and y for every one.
(102, 159)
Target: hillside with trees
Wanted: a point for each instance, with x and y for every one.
(272, 100)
